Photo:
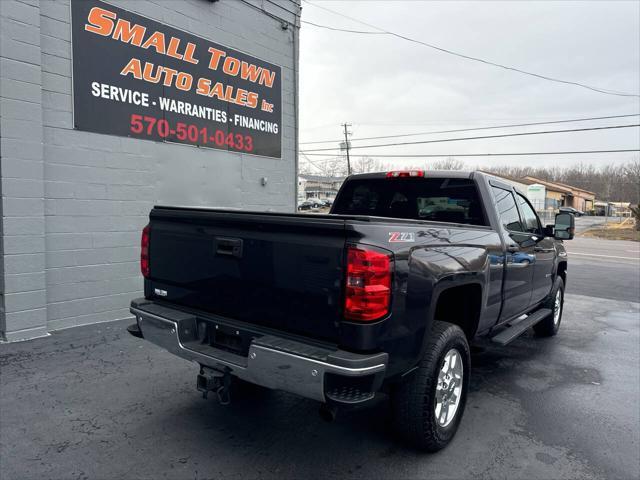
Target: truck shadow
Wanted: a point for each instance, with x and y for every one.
(277, 427)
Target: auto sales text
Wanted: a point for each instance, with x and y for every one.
(104, 22)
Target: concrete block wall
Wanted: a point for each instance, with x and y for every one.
(73, 202)
(23, 295)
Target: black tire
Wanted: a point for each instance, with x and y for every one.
(549, 326)
(413, 401)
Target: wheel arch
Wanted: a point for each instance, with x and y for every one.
(460, 305)
(562, 272)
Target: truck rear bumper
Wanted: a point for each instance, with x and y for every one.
(318, 373)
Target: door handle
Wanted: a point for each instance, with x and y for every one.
(229, 246)
(519, 265)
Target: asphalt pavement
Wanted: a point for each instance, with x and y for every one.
(94, 402)
(603, 268)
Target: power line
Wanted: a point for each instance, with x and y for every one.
(477, 128)
(433, 155)
(344, 29)
(269, 14)
(296, 14)
(467, 57)
(325, 160)
(482, 137)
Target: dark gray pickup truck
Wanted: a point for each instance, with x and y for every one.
(381, 296)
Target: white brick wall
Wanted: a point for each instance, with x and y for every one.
(73, 203)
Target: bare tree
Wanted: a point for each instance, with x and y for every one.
(366, 165)
(336, 167)
(331, 167)
(632, 174)
(306, 168)
(449, 163)
(617, 183)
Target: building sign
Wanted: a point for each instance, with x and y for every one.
(136, 77)
(537, 195)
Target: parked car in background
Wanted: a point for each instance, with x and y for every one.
(315, 202)
(306, 205)
(575, 211)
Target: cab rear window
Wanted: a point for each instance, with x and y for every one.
(453, 200)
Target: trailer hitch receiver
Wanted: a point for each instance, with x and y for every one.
(210, 380)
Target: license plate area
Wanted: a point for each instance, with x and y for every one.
(230, 342)
(224, 337)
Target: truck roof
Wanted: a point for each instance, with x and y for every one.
(427, 174)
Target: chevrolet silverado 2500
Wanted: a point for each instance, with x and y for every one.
(382, 295)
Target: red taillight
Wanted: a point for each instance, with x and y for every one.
(405, 173)
(368, 285)
(144, 252)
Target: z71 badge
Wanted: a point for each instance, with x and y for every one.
(397, 237)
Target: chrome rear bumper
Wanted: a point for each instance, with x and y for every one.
(273, 362)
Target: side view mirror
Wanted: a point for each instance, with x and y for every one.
(565, 226)
(548, 230)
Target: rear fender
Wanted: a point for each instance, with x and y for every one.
(438, 289)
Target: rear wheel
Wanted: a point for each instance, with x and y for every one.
(428, 405)
(555, 302)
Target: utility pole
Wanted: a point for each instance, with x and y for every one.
(346, 145)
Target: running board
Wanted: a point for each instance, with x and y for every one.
(514, 330)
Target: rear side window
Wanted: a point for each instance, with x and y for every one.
(437, 199)
(507, 210)
(529, 216)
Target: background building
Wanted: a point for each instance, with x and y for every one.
(613, 209)
(318, 186)
(562, 195)
(77, 179)
(547, 197)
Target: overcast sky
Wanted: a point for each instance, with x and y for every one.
(384, 85)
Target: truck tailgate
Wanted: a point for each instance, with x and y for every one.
(283, 271)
